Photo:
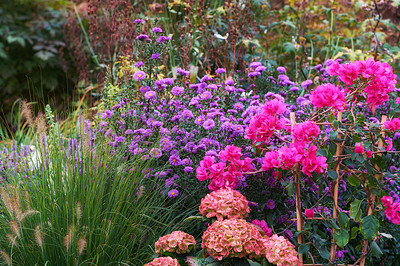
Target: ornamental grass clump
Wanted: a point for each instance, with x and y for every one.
(177, 242)
(224, 203)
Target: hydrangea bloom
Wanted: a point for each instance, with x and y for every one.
(177, 242)
(280, 251)
(163, 261)
(224, 203)
(328, 95)
(233, 238)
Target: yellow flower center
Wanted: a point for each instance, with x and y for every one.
(139, 75)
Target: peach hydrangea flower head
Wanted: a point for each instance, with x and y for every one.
(177, 242)
(224, 203)
(163, 261)
(233, 238)
(280, 251)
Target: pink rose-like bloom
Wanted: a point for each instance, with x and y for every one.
(263, 226)
(398, 100)
(389, 145)
(309, 213)
(280, 251)
(177, 242)
(274, 107)
(230, 153)
(233, 238)
(393, 124)
(369, 154)
(328, 95)
(359, 148)
(224, 203)
(313, 163)
(163, 261)
(392, 209)
(305, 131)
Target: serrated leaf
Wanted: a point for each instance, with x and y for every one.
(333, 134)
(376, 250)
(332, 174)
(353, 180)
(369, 227)
(355, 210)
(290, 188)
(303, 249)
(341, 237)
(343, 219)
(354, 232)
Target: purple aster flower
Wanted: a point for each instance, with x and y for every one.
(107, 114)
(150, 94)
(186, 162)
(260, 69)
(157, 29)
(177, 90)
(329, 62)
(188, 169)
(208, 124)
(253, 74)
(137, 21)
(255, 64)
(167, 81)
(155, 152)
(206, 95)
(220, 70)
(230, 88)
(182, 72)
(155, 56)
(283, 77)
(187, 114)
(162, 39)
(199, 120)
(173, 193)
(229, 81)
(306, 83)
(144, 89)
(174, 160)
(142, 37)
(139, 64)
(270, 205)
(129, 132)
(170, 182)
(139, 75)
(281, 69)
(238, 106)
(212, 86)
(288, 234)
(294, 89)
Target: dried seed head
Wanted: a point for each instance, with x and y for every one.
(6, 257)
(6, 200)
(16, 205)
(69, 237)
(12, 239)
(14, 228)
(81, 245)
(38, 236)
(40, 123)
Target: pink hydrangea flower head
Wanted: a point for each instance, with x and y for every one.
(233, 238)
(328, 95)
(163, 261)
(224, 203)
(177, 242)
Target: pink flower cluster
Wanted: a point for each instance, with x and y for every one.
(163, 261)
(392, 209)
(328, 95)
(263, 226)
(263, 125)
(233, 238)
(225, 173)
(393, 124)
(298, 152)
(378, 76)
(224, 204)
(280, 251)
(177, 242)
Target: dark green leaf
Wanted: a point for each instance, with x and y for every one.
(341, 237)
(343, 219)
(355, 210)
(331, 118)
(369, 227)
(354, 232)
(353, 180)
(303, 249)
(290, 188)
(332, 174)
(375, 250)
(333, 134)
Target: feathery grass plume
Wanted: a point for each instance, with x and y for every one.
(12, 239)
(28, 213)
(81, 245)
(27, 200)
(38, 236)
(40, 123)
(26, 112)
(16, 205)
(15, 228)
(78, 211)
(6, 257)
(6, 200)
(69, 237)
(140, 192)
